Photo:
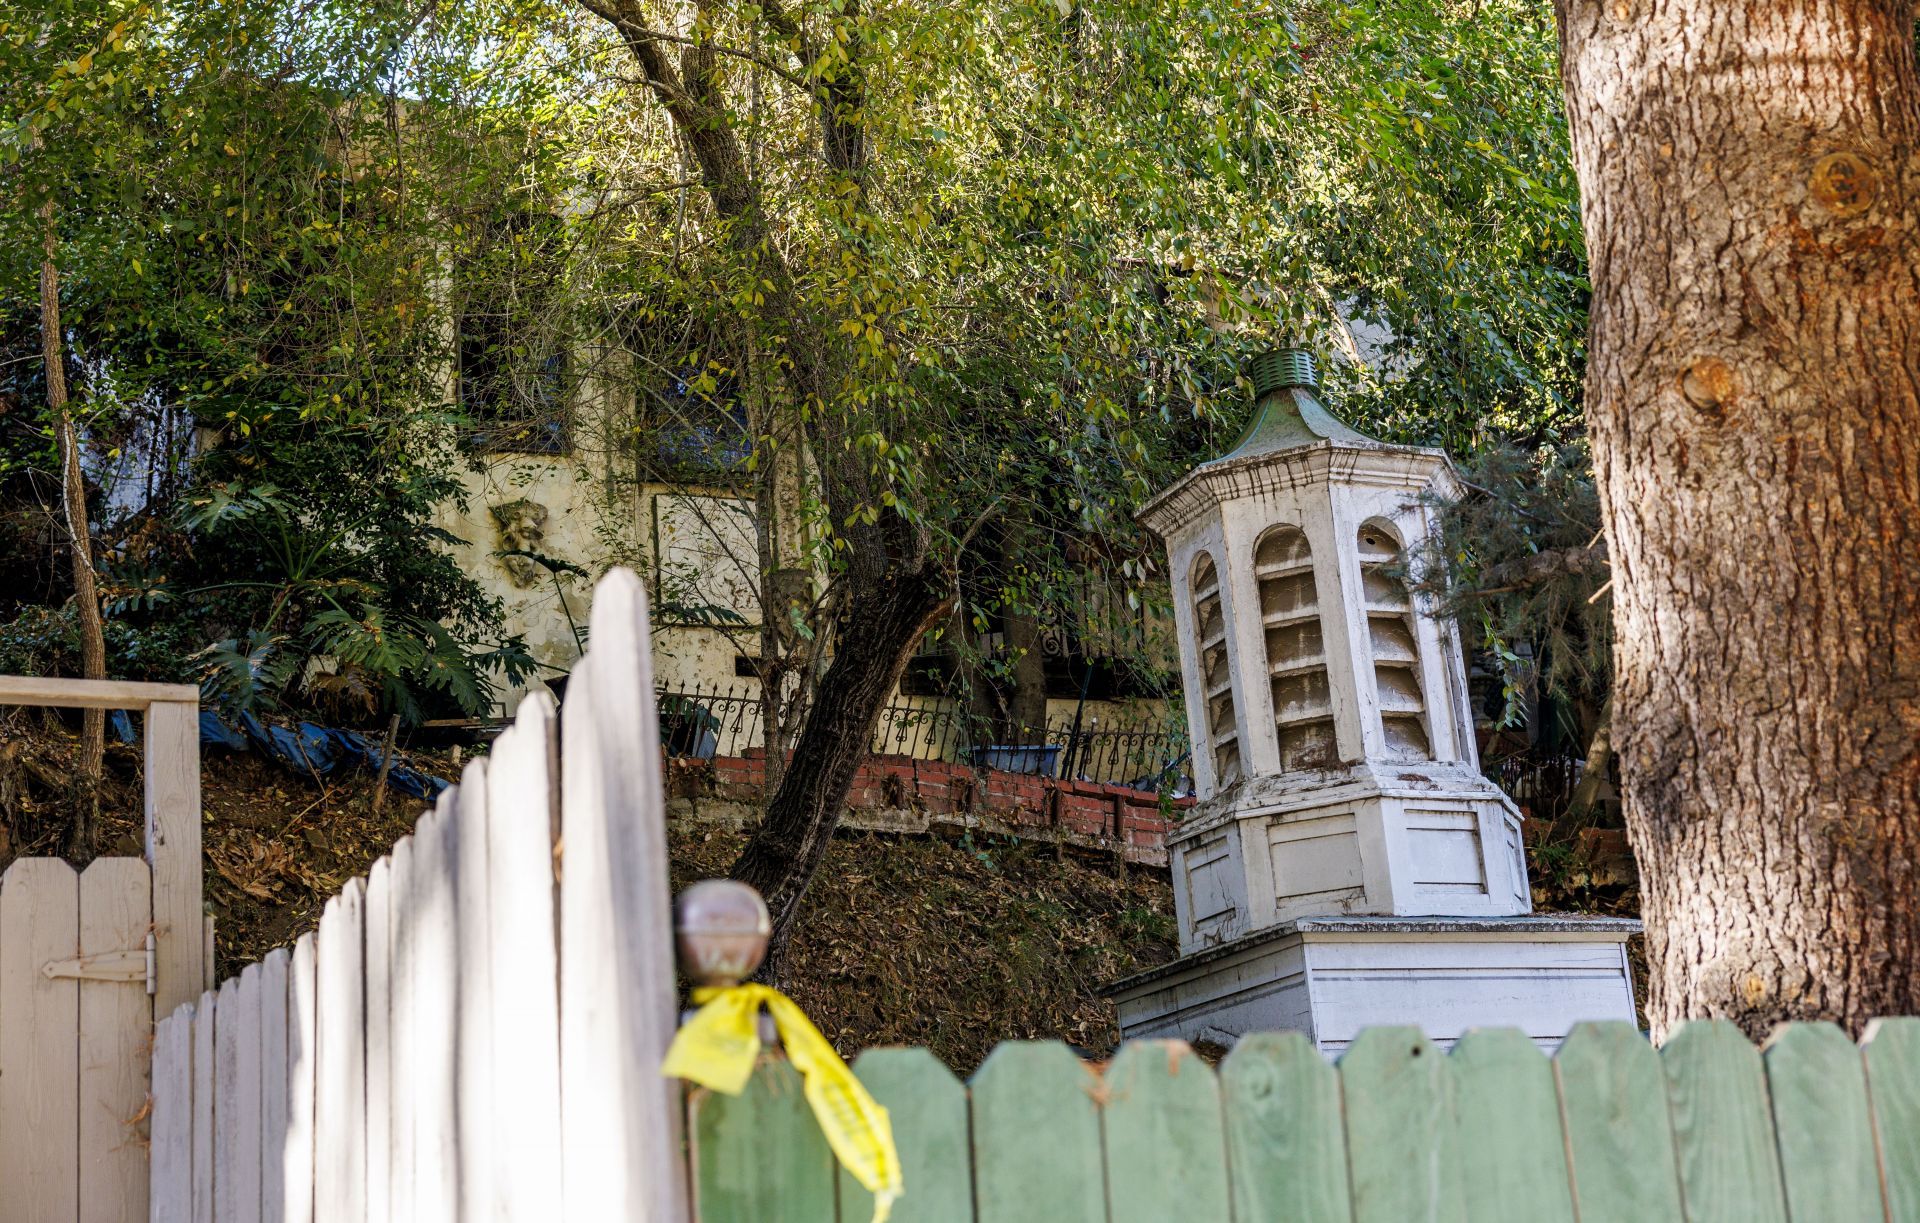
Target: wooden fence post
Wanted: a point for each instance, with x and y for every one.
(173, 851)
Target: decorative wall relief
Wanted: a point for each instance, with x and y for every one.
(520, 525)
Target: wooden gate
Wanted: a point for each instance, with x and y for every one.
(85, 958)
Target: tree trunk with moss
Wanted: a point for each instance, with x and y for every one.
(1750, 176)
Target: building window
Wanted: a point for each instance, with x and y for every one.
(512, 376)
(694, 427)
(512, 402)
(1296, 650)
(1396, 650)
(1216, 678)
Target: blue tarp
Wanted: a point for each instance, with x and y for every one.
(306, 748)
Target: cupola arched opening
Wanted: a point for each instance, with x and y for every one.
(1395, 646)
(1296, 649)
(1210, 626)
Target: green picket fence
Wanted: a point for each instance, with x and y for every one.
(1813, 1129)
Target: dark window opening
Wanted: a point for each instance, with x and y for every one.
(694, 427)
(513, 379)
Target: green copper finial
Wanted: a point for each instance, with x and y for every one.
(1287, 411)
(1283, 367)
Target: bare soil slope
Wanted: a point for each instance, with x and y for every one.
(904, 941)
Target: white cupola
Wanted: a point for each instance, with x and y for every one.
(1333, 738)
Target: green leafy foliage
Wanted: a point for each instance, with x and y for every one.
(341, 605)
(341, 236)
(242, 243)
(1520, 559)
(46, 641)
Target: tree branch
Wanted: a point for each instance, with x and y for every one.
(789, 76)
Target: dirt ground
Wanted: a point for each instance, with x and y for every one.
(906, 940)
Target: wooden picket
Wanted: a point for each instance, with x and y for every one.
(1818, 1084)
(1165, 1137)
(407, 1060)
(1285, 1144)
(1893, 1074)
(1036, 1137)
(1513, 1168)
(39, 1052)
(928, 1107)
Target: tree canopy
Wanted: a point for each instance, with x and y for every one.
(970, 281)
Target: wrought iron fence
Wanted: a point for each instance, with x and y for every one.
(1149, 752)
(1542, 784)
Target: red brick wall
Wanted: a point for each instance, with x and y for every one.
(916, 795)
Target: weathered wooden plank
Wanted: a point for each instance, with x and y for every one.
(226, 1074)
(251, 1094)
(522, 809)
(204, 1020)
(275, 1076)
(303, 1051)
(236, 1100)
(379, 1044)
(1822, 1122)
(760, 1155)
(1892, 1052)
(1165, 1137)
(172, 765)
(90, 693)
(1722, 1125)
(170, 1179)
(621, 1120)
(473, 933)
(1619, 1140)
(433, 1051)
(116, 1031)
(403, 1015)
(1513, 1157)
(1402, 1145)
(39, 1040)
(1286, 1140)
(339, 1097)
(928, 1109)
(1036, 1136)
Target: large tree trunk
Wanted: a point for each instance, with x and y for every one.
(893, 592)
(1027, 704)
(876, 636)
(86, 597)
(1749, 183)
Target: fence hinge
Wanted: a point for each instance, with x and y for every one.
(134, 965)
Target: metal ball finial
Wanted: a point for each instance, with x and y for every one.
(722, 929)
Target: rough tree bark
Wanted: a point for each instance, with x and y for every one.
(1750, 175)
(86, 597)
(876, 637)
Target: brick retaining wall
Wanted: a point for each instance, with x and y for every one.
(904, 794)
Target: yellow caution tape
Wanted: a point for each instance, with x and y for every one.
(717, 1048)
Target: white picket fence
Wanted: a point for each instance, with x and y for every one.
(476, 1029)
